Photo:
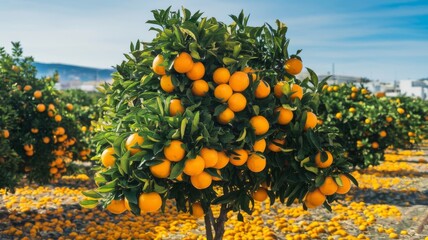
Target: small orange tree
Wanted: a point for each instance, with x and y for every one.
(44, 129)
(212, 114)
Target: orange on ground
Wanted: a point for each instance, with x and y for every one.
(260, 194)
(311, 120)
(197, 72)
(240, 159)
(223, 160)
(315, 198)
(149, 202)
(274, 147)
(161, 170)
(237, 102)
(200, 88)
(260, 125)
(293, 66)
(322, 164)
(166, 83)
(194, 166)
(262, 90)
(41, 107)
(221, 75)
(285, 115)
(226, 116)
(346, 185)
(183, 63)
(239, 81)
(297, 92)
(134, 139)
(197, 210)
(160, 70)
(107, 157)
(201, 181)
(223, 92)
(174, 152)
(329, 187)
(175, 107)
(117, 206)
(256, 163)
(210, 157)
(259, 145)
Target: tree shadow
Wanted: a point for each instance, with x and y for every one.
(399, 173)
(391, 197)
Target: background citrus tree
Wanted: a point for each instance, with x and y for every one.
(370, 123)
(44, 126)
(209, 114)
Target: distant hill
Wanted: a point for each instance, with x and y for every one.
(69, 73)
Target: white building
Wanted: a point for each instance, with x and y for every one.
(414, 88)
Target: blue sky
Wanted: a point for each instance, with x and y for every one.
(382, 39)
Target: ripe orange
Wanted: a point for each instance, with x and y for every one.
(41, 107)
(315, 198)
(53, 170)
(329, 187)
(6, 133)
(46, 140)
(175, 107)
(28, 147)
(166, 83)
(346, 185)
(262, 90)
(389, 119)
(161, 170)
(352, 110)
(223, 92)
(226, 116)
(354, 89)
(174, 152)
(256, 163)
(239, 81)
(297, 92)
(200, 88)
(37, 94)
(134, 139)
(194, 166)
(250, 70)
(29, 153)
(237, 102)
(197, 210)
(260, 125)
(117, 206)
(382, 133)
(285, 115)
(260, 194)
(311, 120)
(293, 66)
(210, 157)
(201, 181)
(59, 131)
(275, 148)
(127, 206)
(197, 72)
(277, 90)
(149, 202)
(160, 70)
(259, 145)
(58, 118)
(27, 88)
(375, 145)
(183, 63)
(240, 159)
(322, 164)
(107, 157)
(338, 115)
(221, 75)
(222, 161)
(400, 110)
(34, 130)
(69, 107)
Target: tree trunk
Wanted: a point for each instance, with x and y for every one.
(216, 224)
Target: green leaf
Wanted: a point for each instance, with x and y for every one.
(92, 194)
(242, 135)
(229, 61)
(176, 170)
(124, 162)
(88, 203)
(183, 127)
(195, 123)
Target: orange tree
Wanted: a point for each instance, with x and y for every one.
(370, 124)
(212, 114)
(44, 129)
